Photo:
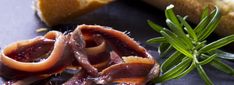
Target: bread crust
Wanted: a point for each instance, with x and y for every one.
(54, 12)
(193, 9)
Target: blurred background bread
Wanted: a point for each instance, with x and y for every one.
(193, 8)
(54, 12)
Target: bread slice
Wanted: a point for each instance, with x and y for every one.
(53, 12)
(193, 8)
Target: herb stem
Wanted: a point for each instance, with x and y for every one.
(190, 46)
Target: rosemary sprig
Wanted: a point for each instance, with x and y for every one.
(191, 50)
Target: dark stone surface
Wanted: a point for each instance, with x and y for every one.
(18, 22)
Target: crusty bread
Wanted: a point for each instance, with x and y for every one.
(193, 8)
(53, 12)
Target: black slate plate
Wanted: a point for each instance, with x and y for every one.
(18, 22)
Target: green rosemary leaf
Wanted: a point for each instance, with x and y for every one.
(212, 24)
(164, 52)
(171, 15)
(171, 38)
(224, 55)
(174, 72)
(191, 67)
(156, 27)
(162, 47)
(207, 60)
(203, 75)
(156, 40)
(201, 25)
(188, 28)
(216, 63)
(217, 44)
(205, 13)
(181, 35)
(174, 36)
(200, 44)
(177, 30)
(173, 60)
